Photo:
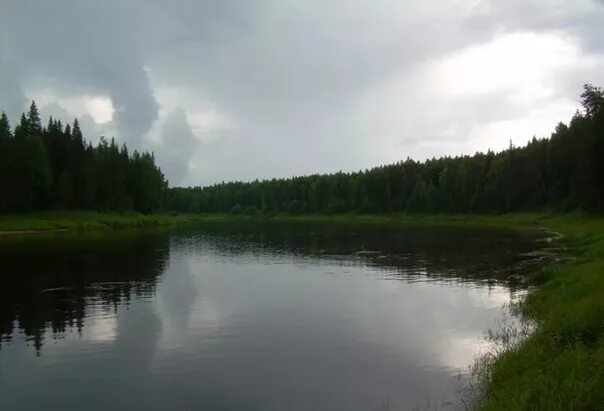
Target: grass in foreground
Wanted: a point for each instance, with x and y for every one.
(561, 365)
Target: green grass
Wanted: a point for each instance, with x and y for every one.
(85, 220)
(528, 220)
(92, 220)
(560, 366)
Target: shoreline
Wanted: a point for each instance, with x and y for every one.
(27, 232)
(559, 366)
(65, 221)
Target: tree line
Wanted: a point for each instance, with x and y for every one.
(563, 172)
(52, 166)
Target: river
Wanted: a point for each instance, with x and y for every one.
(275, 316)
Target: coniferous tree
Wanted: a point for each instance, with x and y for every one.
(54, 167)
(6, 149)
(563, 172)
(5, 133)
(34, 122)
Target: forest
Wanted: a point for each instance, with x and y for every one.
(53, 167)
(563, 172)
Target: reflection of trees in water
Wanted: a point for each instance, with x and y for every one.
(456, 254)
(47, 282)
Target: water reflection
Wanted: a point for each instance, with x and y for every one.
(48, 282)
(412, 254)
(263, 317)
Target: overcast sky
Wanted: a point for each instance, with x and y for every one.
(224, 90)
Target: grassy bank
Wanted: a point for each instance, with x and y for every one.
(84, 220)
(92, 220)
(559, 367)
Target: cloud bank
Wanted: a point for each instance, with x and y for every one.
(230, 90)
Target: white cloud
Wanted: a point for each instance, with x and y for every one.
(524, 64)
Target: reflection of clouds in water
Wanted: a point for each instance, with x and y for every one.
(186, 303)
(207, 315)
(100, 329)
(485, 296)
(440, 325)
(70, 372)
(279, 318)
(208, 311)
(231, 328)
(245, 311)
(138, 331)
(460, 350)
(175, 295)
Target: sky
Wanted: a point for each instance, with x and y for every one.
(238, 90)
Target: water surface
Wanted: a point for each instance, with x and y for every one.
(252, 317)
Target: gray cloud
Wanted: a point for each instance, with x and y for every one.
(279, 88)
(82, 47)
(56, 112)
(12, 99)
(177, 146)
(580, 18)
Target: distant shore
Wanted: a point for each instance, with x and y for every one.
(74, 220)
(59, 221)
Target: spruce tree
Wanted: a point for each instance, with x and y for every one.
(5, 133)
(33, 120)
(21, 130)
(5, 156)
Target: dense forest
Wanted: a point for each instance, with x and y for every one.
(563, 172)
(54, 167)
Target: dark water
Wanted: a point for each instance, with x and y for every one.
(259, 317)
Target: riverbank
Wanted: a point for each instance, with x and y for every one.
(57, 221)
(93, 220)
(559, 367)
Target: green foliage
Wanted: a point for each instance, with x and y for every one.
(561, 365)
(592, 100)
(53, 167)
(562, 172)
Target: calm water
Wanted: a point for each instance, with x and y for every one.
(259, 317)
